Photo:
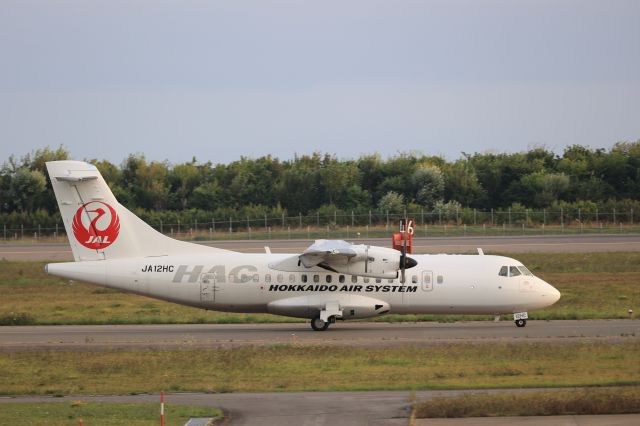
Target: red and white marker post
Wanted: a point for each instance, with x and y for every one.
(162, 408)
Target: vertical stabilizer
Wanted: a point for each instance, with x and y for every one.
(98, 226)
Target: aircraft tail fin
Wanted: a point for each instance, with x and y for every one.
(98, 227)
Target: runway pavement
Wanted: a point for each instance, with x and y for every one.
(388, 408)
(60, 252)
(343, 334)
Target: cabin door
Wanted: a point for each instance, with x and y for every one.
(427, 280)
(208, 287)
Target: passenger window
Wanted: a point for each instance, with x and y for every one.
(390, 281)
(256, 278)
(354, 279)
(244, 278)
(504, 271)
(414, 279)
(378, 280)
(366, 280)
(304, 278)
(267, 278)
(316, 278)
(341, 278)
(514, 271)
(328, 279)
(292, 278)
(427, 278)
(440, 279)
(280, 278)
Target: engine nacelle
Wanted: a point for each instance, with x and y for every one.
(349, 259)
(369, 261)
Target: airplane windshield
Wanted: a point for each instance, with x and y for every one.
(524, 270)
(514, 271)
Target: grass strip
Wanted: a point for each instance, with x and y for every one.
(95, 413)
(618, 400)
(593, 286)
(317, 368)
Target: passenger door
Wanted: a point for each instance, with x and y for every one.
(208, 287)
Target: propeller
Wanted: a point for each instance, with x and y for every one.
(403, 258)
(405, 262)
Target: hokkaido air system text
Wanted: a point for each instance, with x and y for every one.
(344, 288)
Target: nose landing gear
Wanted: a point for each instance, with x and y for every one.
(520, 318)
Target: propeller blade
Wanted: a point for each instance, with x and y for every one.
(404, 247)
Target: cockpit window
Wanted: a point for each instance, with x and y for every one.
(524, 270)
(514, 271)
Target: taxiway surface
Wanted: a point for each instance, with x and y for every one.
(344, 334)
(522, 244)
(388, 408)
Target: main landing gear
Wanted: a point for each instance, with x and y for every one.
(521, 323)
(326, 316)
(318, 324)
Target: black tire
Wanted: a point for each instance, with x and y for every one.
(521, 323)
(318, 325)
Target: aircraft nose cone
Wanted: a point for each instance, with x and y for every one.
(551, 293)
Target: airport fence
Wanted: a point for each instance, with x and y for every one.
(197, 225)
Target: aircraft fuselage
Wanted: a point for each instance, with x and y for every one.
(236, 282)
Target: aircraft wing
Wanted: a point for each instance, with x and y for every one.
(327, 251)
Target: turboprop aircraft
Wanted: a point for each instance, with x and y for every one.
(331, 280)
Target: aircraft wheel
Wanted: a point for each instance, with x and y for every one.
(521, 323)
(319, 325)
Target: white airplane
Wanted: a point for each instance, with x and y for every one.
(331, 280)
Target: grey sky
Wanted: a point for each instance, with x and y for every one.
(217, 80)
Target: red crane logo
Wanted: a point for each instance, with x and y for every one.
(95, 235)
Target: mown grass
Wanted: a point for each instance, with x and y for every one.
(619, 400)
(593, 285)
(317, 368)
(94, 413)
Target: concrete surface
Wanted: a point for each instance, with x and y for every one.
(335, 408)
(95, 337)
(60, 252)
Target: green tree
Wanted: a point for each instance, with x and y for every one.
(545, 188)
(183, 179)
(338, 180)
(25, 188)
(392, 202)
(462, 184)
(146, 182)
(207, 196)
(428, 185)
